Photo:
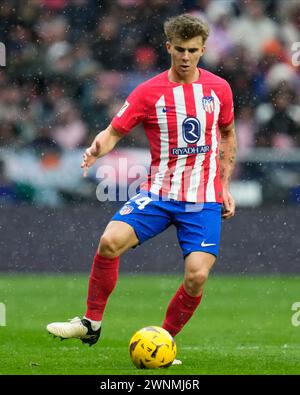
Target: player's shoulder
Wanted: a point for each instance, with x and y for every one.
(151, 89)
(212, 78)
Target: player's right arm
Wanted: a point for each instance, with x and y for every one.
(103, 143)
(131, 114)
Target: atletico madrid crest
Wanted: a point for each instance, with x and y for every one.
(208, 104)
(126, 210)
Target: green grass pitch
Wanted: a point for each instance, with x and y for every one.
(243, 325)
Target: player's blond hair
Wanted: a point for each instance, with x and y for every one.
(185, 27)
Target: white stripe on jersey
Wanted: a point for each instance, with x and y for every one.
(210, 189)
(196, 172)
(181, 160)
(164, 145)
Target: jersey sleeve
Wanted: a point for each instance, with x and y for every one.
(226, 115)
(131, 113)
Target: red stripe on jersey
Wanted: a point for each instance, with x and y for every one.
(190, 162)
(155, 155)
(217, 181)
(214, 161)
(173, 142)
(201, 194)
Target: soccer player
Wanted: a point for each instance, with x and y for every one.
(187, 114)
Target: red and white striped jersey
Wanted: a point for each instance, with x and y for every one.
(181, 123)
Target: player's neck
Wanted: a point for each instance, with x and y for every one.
(174, 76)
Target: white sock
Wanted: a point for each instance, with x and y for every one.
(94, 324)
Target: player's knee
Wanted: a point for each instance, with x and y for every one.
(194, 281)
(108, 246)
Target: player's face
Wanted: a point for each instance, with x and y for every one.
(185, 55)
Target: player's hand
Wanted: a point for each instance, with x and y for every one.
(228, 209)
(90, 156)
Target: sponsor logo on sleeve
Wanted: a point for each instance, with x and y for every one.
(123, 109)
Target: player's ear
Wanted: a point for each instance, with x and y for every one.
(168, 46)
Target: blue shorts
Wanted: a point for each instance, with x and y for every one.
(198, 224)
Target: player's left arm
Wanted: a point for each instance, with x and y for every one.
(227, 160)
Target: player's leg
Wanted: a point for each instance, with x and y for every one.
(199, 235)
(137, 221)
(117, 238)
(188, 296)
(197, 267)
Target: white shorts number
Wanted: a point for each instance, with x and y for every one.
(142, 202)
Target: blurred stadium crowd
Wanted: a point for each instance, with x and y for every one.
(71, 63)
